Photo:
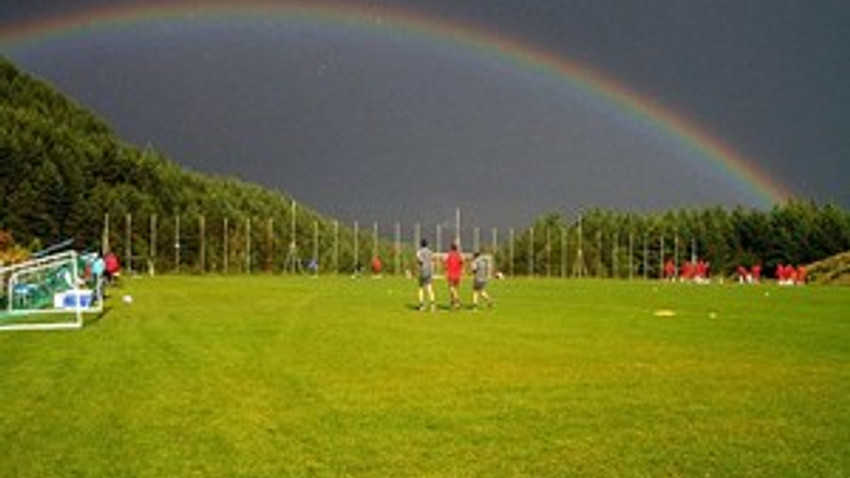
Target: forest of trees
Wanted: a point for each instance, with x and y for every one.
(630, 244)
(63, 173)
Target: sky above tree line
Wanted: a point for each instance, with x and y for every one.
(404, 110)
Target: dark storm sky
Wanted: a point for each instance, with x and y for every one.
(376, 125)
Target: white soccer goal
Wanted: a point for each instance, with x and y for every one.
(47, 293)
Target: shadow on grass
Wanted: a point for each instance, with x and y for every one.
(439, 308)
(97, 318)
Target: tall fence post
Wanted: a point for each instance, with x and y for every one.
(397, 249)
(152, 247)
(314, 261)
(202, 253)
(579, 267)
(615, 259)
(104, 240)
(225, 251)
(128, 242)
(336, 247)
(531, 251)
(177, 243)
(563, 252)
(600, 272)
(248, 245)
(511, 250)
(548, 250)
(375, 252)
(676, 255)
(356, 248)
(270, 246)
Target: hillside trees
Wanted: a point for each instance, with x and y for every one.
(63, 174)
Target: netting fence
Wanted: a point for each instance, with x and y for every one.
(199, 244)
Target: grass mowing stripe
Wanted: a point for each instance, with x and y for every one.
(293, 376)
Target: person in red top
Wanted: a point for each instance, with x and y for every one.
(454, 269)
(701, 271)
(801, 275)
(377, 266)
(743, 275)
(780, 273)
(756, 273)
(113, 267)
(687, 271)
(790, 274)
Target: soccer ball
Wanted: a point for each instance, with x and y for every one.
(128, 299)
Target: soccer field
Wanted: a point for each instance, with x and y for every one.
(269, 376)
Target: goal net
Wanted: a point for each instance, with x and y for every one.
(47, 293)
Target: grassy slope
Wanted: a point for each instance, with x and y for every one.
(275, 376)
(832, 270)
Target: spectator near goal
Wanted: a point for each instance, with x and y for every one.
(98, 268)
(113, 267)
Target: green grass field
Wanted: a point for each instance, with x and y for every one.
(294, 376)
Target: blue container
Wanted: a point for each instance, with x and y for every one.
(77, 298)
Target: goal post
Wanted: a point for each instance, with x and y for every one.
(47, 293)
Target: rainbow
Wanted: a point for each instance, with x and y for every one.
(469, 38)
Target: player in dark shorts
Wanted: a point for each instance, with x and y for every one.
(426, 273)
(480, 274)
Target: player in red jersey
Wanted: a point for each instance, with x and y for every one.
(454, 269)
(669, 270)
(801, 275)
(756, 273)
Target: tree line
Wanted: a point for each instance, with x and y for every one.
(605, 243)
(63, 172)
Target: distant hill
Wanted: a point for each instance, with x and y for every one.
(62, 169)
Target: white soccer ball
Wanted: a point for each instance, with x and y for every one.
(128, 299)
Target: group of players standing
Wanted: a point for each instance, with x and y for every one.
(691, 271)
(454, 270)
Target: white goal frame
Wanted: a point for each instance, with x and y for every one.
(9, 276)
